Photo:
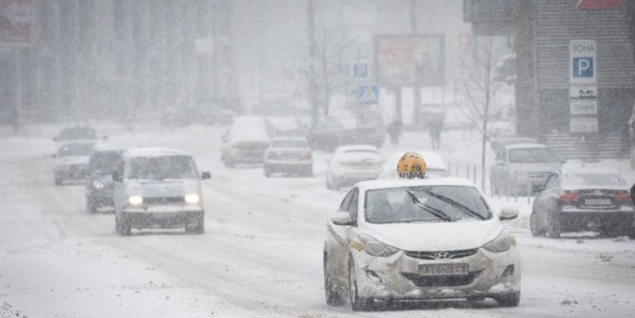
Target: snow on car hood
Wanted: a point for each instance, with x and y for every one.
(162, 188)
(72, 160)
(444, 236)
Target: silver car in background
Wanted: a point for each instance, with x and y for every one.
(522, 168)
(351, 164)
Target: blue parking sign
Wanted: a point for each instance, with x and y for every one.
(583, 67)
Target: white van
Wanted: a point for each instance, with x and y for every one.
(158, 188)
(245, 142)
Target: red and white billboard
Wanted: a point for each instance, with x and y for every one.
(408, 59)
(16, 22)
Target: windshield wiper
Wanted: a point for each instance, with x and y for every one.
(438, 213)
(455, 204)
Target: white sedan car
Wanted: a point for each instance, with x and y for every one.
(419, 239)
(351, 164)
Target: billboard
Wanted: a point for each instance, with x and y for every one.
(16, 22)
(407, 59)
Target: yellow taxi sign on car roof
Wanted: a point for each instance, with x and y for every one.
(411, 165)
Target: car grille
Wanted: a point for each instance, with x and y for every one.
(441, 280)
(442, 255)
(163, 200)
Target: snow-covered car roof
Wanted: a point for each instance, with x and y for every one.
(525, 145)
(153, 152)
(582, 170)
(396, 183)
(342, 149)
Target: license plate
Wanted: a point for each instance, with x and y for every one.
(597, 202)
(443, 269)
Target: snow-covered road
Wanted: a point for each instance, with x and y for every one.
(261, 254)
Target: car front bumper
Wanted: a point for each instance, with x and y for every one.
(163, 217)
(398, 277)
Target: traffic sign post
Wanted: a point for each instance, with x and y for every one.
(360, 70)
(368, 94)
(583, 92)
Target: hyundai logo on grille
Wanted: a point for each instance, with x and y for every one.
(441, 255)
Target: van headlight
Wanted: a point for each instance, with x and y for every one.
(500, 244)
(98, 185)
(135, 200)
(192, 198)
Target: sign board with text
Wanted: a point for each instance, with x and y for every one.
(408, 59)
(583, 124)
(582, 62)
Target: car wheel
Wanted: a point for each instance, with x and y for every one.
(58, 180)
(508, 300)
(554, 226)
(534, 225)
(199, 228)
(357, 303)
(333, 298)
(90, 206)
(122, 225)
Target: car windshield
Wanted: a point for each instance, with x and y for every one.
(531, 155)
(593, 179)
(103, 162)
(432, 204)
(289, 143)
(160, 168)
(74, 150)
(78, 133)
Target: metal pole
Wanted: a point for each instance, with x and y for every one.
(18, 89)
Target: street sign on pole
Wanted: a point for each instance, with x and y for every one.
(368, 94)
(360, 70)
(16, 22)
(582, 63)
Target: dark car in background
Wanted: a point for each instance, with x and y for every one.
(77, 133)
(71, 161)
(333, 132)
(583, 200)
(99, 185)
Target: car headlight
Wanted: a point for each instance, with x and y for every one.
(500, 244)
(98, 185)
(135, 200)
(192, 198)
(376, 248)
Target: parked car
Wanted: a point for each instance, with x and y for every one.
(288, 155)
(285, 126)
(583, 200)
(71, 161)
(522, 168)
(498, 143)
(419, 239)
(99, 185)
(351, 164)
(332, 132)
(207, 114)
(435, 164)
(77, 133)
(245, 142)
(158, 188)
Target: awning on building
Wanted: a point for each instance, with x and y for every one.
(598, 4)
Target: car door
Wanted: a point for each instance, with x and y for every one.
(338, 236)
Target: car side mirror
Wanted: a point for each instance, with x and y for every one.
(341, 218)
(205, 175)
(508, 213)
(116, 176)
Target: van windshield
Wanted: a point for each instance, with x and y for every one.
(160, 168)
